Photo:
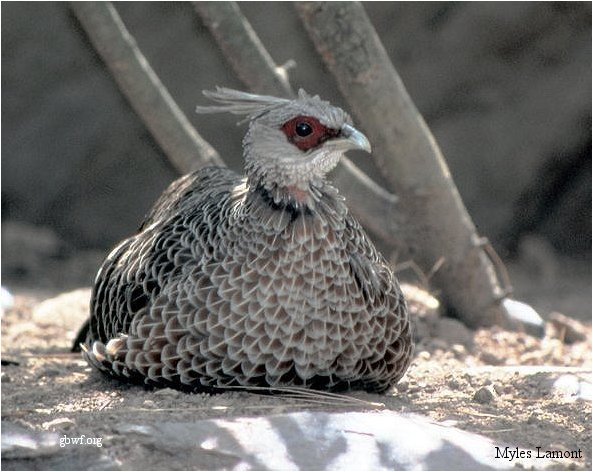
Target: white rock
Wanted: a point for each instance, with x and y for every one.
(68, 310)
(6, 300)
(571, 388)
(525, 316)
(58, 423)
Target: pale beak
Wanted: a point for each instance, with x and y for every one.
(354, 139)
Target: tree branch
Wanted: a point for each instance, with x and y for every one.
(436, 221)
(243, 49)
(430, 218)
(185, 148)
(252, 63)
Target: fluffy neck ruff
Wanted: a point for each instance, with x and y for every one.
(320, 200)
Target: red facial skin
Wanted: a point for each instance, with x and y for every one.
(318, 136)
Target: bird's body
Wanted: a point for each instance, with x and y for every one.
(264, 280)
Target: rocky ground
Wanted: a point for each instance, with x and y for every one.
(509, 388)
(465, 394)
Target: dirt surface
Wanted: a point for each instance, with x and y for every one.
(503, 385)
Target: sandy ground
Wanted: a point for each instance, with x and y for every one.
(511, 387)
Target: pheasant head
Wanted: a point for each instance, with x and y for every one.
(290, 144)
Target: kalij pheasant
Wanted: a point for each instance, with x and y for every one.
(257, 280)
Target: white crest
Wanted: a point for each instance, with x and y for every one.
(240, 103)
(256, 106)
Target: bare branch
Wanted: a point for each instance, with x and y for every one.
(186, 149)
(240, 44)
(243, 49)
(369, 202)
(436, 221)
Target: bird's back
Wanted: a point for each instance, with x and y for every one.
(141, 266)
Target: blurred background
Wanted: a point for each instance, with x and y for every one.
(504, 87)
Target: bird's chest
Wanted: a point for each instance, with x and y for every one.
(303, 252)
(294, 261)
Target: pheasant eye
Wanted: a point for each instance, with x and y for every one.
(303, 129)
(307, 132)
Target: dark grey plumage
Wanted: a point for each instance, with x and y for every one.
(263, 280)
